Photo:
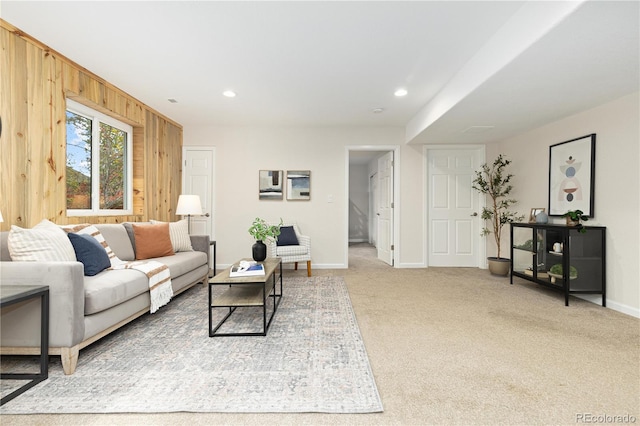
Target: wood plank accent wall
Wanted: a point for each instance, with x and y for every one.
(35, 82)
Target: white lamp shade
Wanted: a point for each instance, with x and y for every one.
(189, 205)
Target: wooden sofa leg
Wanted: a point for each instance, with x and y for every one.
(308, 268)
(295, 266)
(69, 358)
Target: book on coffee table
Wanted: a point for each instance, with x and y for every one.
(246, 270)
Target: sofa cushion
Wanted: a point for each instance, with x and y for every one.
(44, 242)
(117, 238)
(152, 240)
(179, 234)
(90, 252)
(183, 262)
(112, 287)
(89, 229)
(292, 250)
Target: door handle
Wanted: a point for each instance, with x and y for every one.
(207, 214)
(474, 214)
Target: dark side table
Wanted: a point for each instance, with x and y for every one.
(12, 294)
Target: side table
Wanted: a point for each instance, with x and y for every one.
(213, 243)
(12, 294)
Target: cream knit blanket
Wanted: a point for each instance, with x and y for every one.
(159, 280)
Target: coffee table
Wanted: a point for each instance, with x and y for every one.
(244, 292)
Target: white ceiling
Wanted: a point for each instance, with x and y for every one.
(503, 67)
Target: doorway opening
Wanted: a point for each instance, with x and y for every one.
(364, 256)
(371, 205)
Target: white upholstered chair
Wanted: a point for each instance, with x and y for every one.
(292, 246)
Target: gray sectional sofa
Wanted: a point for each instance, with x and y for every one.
(83, 308)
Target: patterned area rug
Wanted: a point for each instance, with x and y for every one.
(312, 360)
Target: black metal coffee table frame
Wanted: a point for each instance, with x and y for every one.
(10, 295)
(243, 292)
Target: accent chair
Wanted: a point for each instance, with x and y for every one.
(292, 246)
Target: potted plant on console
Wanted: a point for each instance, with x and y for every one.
(574, 217)
(494, 181)
(260, 230)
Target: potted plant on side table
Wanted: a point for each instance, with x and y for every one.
(260, 230)
(494, 181)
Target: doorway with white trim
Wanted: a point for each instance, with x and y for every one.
(371, 215)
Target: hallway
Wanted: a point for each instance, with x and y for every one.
(365, 256)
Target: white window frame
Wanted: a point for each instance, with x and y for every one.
(97, 118)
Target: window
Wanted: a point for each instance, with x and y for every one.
(99, 163)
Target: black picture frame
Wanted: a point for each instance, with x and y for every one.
(572, 166)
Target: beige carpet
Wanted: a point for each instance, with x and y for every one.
(458, 346)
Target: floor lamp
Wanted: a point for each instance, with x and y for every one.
(189, 205)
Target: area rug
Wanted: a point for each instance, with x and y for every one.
(313, 359)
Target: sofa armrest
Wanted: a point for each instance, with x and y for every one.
(20, 326)
(201, 243)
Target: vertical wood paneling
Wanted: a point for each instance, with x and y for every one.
(58, 135)
(20, 137)
(5, 101)
(175, 169)
(34, 84)
(70, 79)
(139, 191)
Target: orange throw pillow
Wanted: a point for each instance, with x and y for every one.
(152, 240)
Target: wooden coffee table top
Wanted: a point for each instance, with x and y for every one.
(270, 265)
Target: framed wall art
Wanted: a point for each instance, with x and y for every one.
(572, 176)
(270, 185)
(298, 185)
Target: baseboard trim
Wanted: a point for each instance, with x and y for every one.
(411, 265)
(625, 309)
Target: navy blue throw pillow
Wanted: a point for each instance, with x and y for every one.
(287, 237)
(90, 252)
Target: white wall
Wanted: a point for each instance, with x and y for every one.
(242, 151)
(617, 185)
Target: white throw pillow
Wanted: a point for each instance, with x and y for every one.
(88, 229)
(45, 242)
(179, 234)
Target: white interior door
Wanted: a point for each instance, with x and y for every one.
(373, 208)
(198, 179)
(385, 208)
(453, 207)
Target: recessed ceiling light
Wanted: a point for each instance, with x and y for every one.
(400, 92)
(377, 110)
(173, 101)
(229, 93)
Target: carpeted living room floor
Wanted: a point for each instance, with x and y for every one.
(459, 346)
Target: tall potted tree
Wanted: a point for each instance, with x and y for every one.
(494, 181)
